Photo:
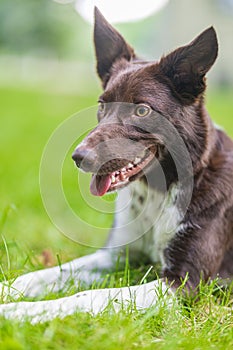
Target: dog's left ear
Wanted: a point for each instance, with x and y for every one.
(109, 46)
(186, 67)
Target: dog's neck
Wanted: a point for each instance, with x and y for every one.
(210, 138)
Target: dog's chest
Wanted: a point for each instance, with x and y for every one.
(156, 218)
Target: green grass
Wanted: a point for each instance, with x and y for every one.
(27, 120)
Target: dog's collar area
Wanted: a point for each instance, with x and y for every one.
(101, 184)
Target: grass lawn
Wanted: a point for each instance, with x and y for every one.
(28, 117)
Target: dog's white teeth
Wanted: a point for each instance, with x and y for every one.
(130, 165)
(113, 179)
(137, 160)
(123, 170)
(117, 172)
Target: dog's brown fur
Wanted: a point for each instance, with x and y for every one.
(174, 88)
(193, 237)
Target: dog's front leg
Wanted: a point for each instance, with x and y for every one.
(86, 269)
(196, 252)
(89, 268)
(93, 301)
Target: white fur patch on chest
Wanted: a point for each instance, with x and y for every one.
(147, 219)
(161, 212)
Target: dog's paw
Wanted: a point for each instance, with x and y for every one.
(34, 312)
(33, 284)
(47, 310)
(8, 293)
(42, 282)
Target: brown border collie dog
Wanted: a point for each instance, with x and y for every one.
(157, 145)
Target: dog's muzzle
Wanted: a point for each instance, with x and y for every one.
(85, 159)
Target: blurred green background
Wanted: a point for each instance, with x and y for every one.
(47, 73)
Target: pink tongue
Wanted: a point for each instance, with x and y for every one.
(100, 184)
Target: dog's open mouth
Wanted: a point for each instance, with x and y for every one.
(101, 184)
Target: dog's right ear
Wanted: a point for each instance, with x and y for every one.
(187, 66)
(109, 46)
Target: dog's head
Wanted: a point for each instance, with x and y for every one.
(137, 94)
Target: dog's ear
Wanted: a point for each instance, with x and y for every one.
(186, 67)
(109, 46)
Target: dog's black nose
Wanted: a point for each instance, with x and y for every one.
(84, 159)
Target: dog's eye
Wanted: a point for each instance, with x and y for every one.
(101, 107)
(142, 110)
